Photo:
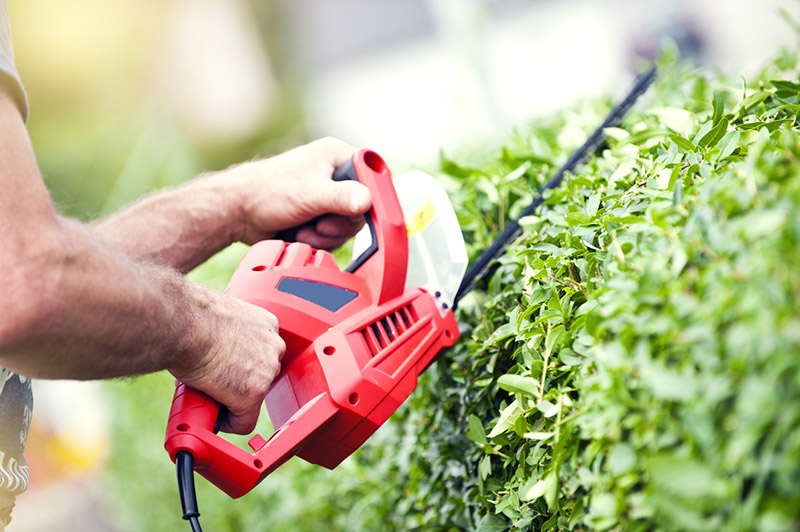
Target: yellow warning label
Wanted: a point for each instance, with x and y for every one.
(421, 218)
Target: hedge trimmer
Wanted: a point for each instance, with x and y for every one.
(356, 339)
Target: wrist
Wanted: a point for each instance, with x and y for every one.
(194, 333)
(226, 190)
(177, 227)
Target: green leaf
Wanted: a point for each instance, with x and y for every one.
(674, 177)
(790, 86)
(592, 204)
(491, 523)
(476, 431)
(623, 170)
(551, 491)
(576, 218)
(544, 246)
(547, 408)
(603, 510)
(593, 320)
(534, 489)
(786, 89)
(771, 125)
(538, 435)
(682, 142)
(702, 132)
(569, 359)
(504, 331)
(616, 133)
(677, 192)
(450, 167)
(621, 458)
(714, 135)
(519, 384)
(485, 467)
(505, 422)
(630, 219)
(751, 102)
(718, 106)
(728, 144)
(554, 338)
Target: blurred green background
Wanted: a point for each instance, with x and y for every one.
(112, 117)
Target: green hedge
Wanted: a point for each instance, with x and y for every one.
(634, 364)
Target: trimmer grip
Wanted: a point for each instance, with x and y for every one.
(191, 428)
(385, 262)
(348, 172)
(193, 412)
(232, 469)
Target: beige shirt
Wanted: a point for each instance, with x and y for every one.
(16, 398)
(9, 78)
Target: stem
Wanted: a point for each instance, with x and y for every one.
(574, 286)
(545, 360)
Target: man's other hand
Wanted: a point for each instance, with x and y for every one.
(233, 357)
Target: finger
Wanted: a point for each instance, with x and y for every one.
(348, 198)
(310, 236)
(243, 423)
(251, 389)
(335, 151)
(243, 419)
(338, 226)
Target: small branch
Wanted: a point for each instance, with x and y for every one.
(574, 286)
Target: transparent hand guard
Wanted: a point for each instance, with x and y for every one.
(437, 256)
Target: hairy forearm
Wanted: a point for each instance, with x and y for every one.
(83, 303)
(183, 226)
(84, 310)
(178, 227)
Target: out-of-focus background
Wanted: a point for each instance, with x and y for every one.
(127, 96)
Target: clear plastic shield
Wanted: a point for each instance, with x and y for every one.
(437, 256)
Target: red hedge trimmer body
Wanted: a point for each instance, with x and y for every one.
(356, 341)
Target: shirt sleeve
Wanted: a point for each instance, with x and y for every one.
(9, 78)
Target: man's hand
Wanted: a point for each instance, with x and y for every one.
(295, 188)
(234, 356)
(184, 226)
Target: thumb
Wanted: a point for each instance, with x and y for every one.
(348, 198)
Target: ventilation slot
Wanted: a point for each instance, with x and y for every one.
(382, 332)
(281, 256)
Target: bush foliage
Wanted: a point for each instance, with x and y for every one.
(631, 365)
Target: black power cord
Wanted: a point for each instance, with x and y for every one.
(184, 463)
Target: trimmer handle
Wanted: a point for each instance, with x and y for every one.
(375, 277)
(385, 262)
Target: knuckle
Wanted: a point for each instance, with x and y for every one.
(280, 344)
(260, 390)
(244, 425)
(341, 196)
(327, 141)
(332, 146)
(278, 348)
(255, 389)
(273, 370)
(268, 318)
